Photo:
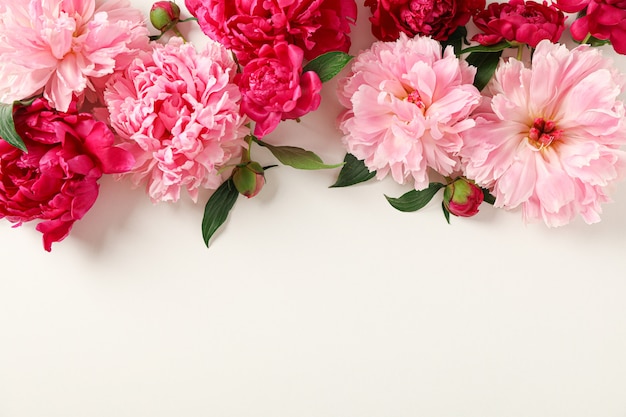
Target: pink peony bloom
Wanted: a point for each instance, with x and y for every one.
(177, 111)
(57, 180)
(63, 47)
(274, 88)
(550, 139)
(316, 26)
(603, 19)
(407, 106)
(435, 18)
(525, 22)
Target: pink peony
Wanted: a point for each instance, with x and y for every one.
(177, 111)
(61, 47)
(550, 139)
(406, 108)
(316, 26)
(438, 19)
(603, 19)
(524, 22)
(274, 88)
(57, 180)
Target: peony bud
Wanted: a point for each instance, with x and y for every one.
(249, 178)
(462, 197)
(164, 15)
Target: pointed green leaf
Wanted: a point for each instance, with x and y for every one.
(490, 48)
(415, 200)
(486, 62)
(446, 212)
(488, 197)
(353, 172)
(7, 127)
(297, 157)
(328, 65)
(217, 209)
(456, 39)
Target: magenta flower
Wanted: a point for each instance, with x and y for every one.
(274, 87)
(550, 139)
(524, 22)
(603, 19)
(63, 47)
(316, 26)
(177, 112)
(462, 197)
(57, 180)
(435, 18)
(407, 105)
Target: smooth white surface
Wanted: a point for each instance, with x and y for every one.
(313, 302)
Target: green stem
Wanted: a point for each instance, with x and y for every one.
(245, 158)
(177, 33)
(586, 40)
(520, 52)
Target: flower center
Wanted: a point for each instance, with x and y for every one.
(415, 98)
(543, 133)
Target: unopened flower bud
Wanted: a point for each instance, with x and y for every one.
(164, 15)
(249, 178)
(462, 197)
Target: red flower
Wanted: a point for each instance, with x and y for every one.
(316, 26)
(56, 181)
(603, 19)
(518, 21)
(462, 197)
(273, 87)
(437, 19)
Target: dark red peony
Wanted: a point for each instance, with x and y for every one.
(438, 19)
(57, 180)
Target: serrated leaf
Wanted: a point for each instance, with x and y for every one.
(297, 157)
(488, 197)
(486, 62)
(217, 209)
(415, 200)
(446, 212)
(328, 65)
(353, 172)
(7, 127)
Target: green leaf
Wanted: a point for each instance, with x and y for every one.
(456, 39)
(297, 157)
(353, 172)
(488, 197)
(7, 127)
(415, 200)
(328, 65)
(487, 48)
(217, 209)
(446, 212)
(486, 62)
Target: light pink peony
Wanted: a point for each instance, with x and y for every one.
(550, 140)
(407, 106)
(274, 87)
(57, 180)
(316, 26)
(63, 47)
(177, 110)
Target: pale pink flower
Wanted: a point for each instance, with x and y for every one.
(177, 111)
(63, 47)
(550, 139)
(407, 105)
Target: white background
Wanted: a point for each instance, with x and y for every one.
(313, 302)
